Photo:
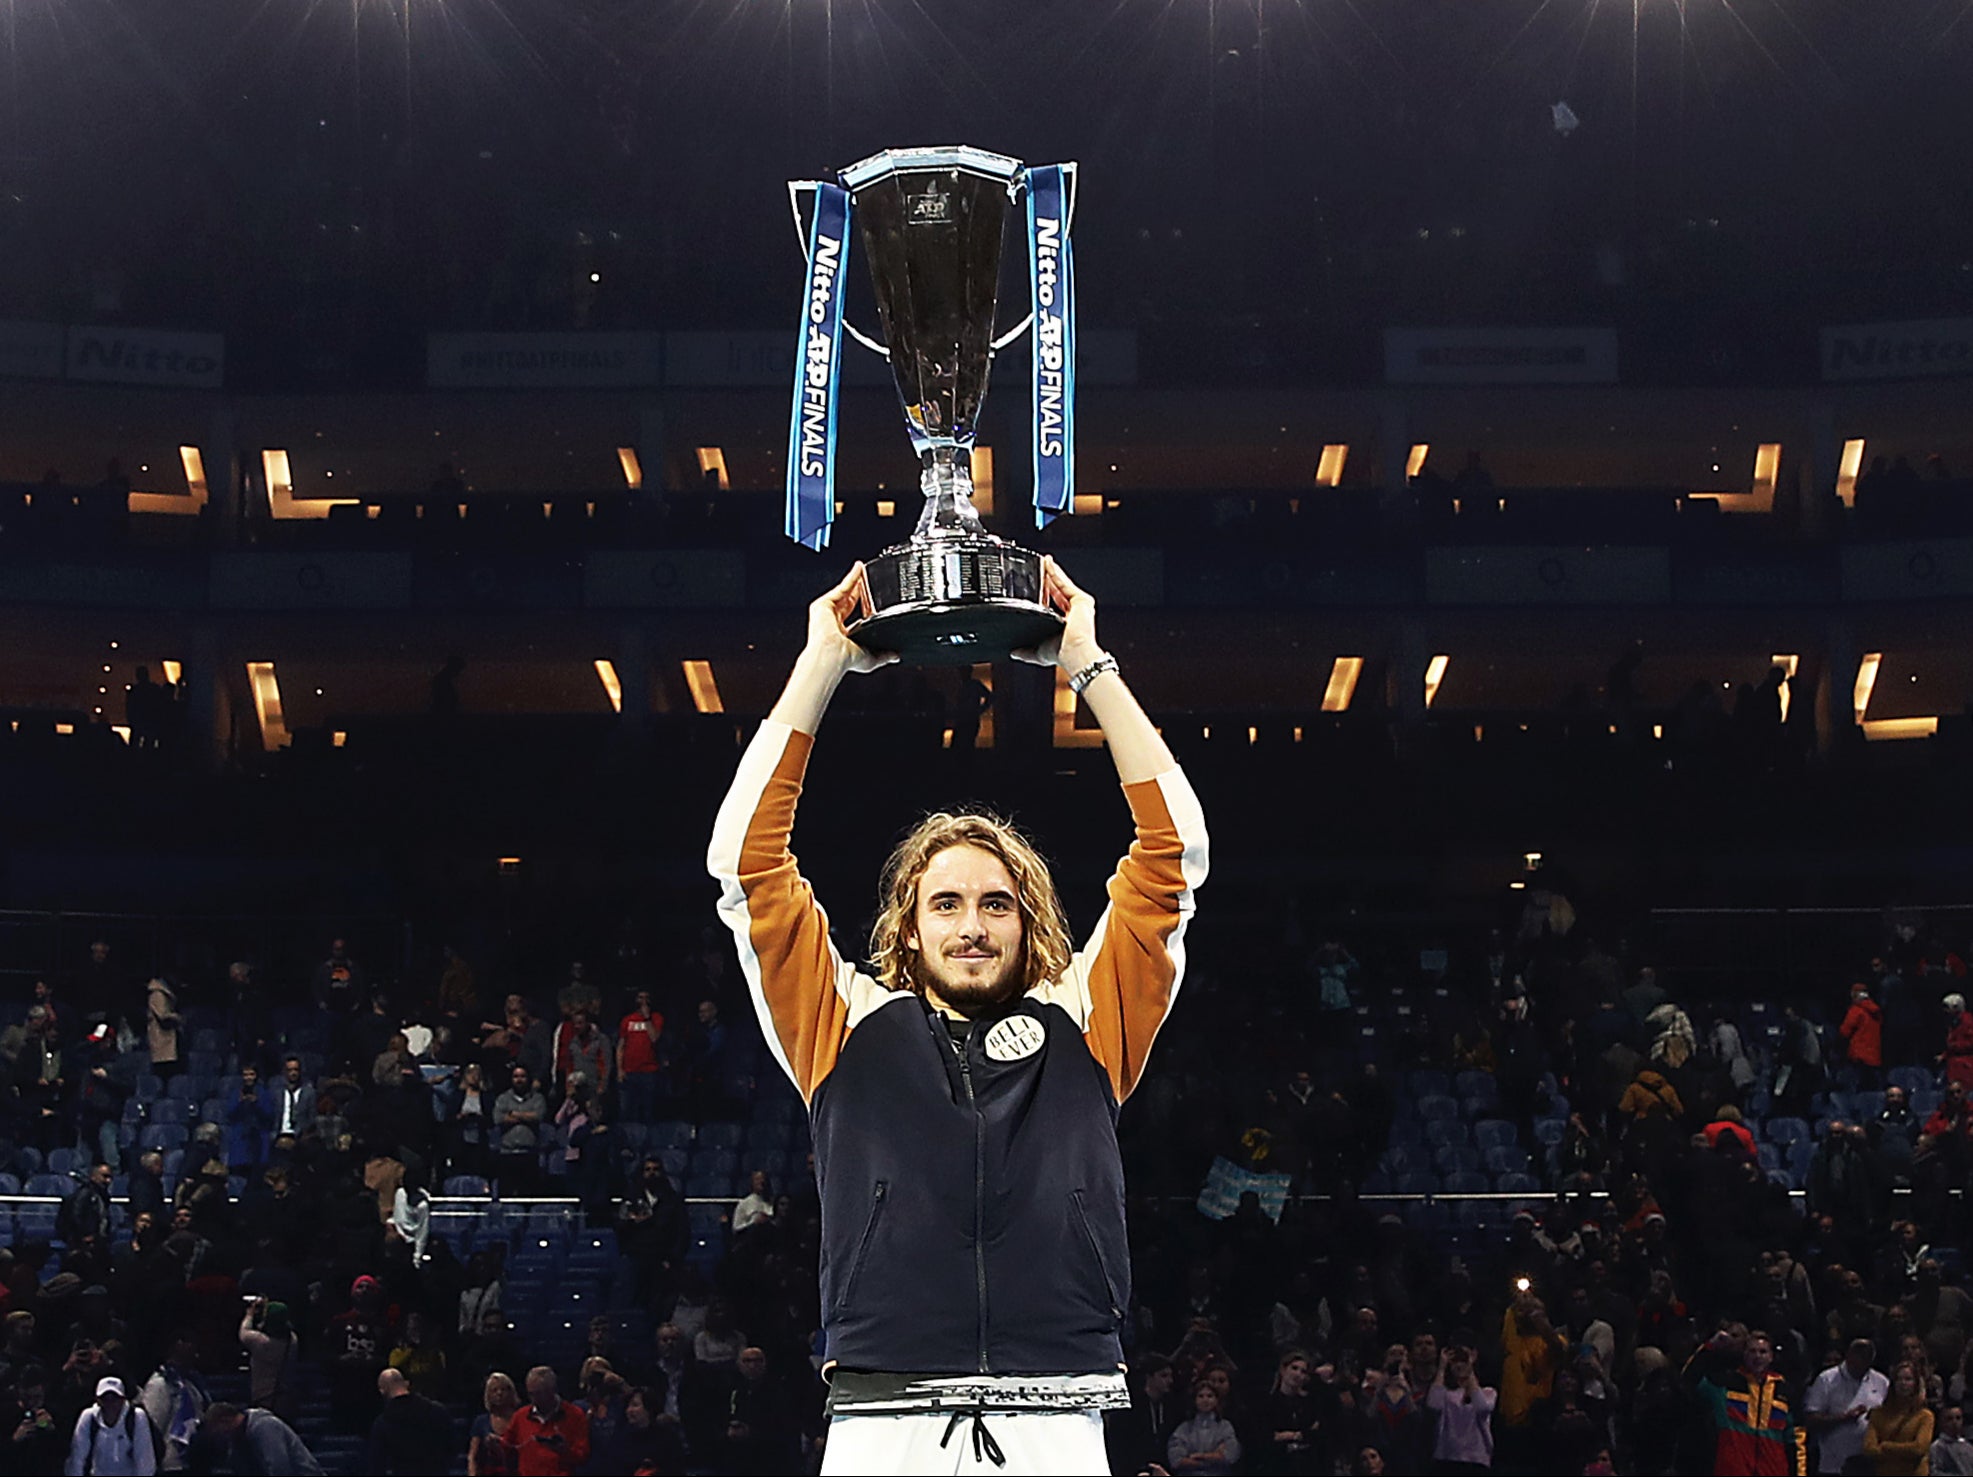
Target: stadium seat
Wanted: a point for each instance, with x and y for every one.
(164, 1136)
(1475, 1084)
(51, 1184)
(1437, 1106)
(1452, 1160)
(170, 1111)
(1425, 1083)
(705, 1186)
(676, 1162)
(1769, 1156)
(1517, 1183)
(184, 1088)
(1911, 1079)
(1495, 1133)
(721, 1136)
(1407, 1131)
(1506, 1159)
(467, 1184)
(1868, 1105)
(9, 1185)
(1468, 1183)
(61, 1161)
(721, 1162)
(1925, 1101)
(671, 1135)
(1417, 1182)
(1551, 1131)
(1787, 1130)
(1446, 1133)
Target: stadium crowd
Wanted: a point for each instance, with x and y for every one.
(1702, 1235)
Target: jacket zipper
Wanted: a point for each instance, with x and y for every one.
(863, 1246)
(979, 1194)
(1089, 1238)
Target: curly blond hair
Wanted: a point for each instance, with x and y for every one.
(1045, 945)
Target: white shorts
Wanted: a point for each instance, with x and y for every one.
(1052, 1444)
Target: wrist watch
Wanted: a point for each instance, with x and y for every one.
(1104, 662)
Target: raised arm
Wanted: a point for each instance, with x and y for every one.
(1123, 983)
(802, 989)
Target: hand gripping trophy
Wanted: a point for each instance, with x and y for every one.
(931, 222)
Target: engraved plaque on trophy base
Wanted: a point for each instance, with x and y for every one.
(955, 601)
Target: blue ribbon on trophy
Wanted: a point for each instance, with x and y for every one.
(818, 372)
(811, 491)
(1052, 270)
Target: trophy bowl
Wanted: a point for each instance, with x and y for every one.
(955, 601)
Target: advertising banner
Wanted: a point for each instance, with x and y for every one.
(1500, 356)
(1881, 351)
(543, 361)
(147, 356)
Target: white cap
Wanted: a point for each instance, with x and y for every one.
(109, 1384)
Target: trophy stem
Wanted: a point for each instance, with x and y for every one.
(947, 483)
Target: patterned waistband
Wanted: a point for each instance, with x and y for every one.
(871, 1392)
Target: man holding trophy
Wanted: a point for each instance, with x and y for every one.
(963, 1092)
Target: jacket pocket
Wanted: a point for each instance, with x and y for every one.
(863, 1246)
(1081, 1214)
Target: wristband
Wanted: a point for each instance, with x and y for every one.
(1082, 679)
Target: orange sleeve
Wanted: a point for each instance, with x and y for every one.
(1132, 969)
(801, 988)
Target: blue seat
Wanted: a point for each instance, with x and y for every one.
(676, 1162)
(1868, 1104)
(633, 1135)
(1551, 1131)
(1801, 1154)
(164, 1136)
(1427, 1083)
(1925, 1102)
(1468, 1182)
(705, 1186)
(36, 1223)
(184, 1088)
(722, 1162)
(1417, 1182)
(777, 1110)
(1784, 1178)
(1476, 1108)
(722, 1136)
(1495, 1133)
(1475, 1084)
(51, 1184)
(1434, 1106)
(775, 1161)
(9, 1184)
(170, 1111)
(1408, 1132)
(1505, 1159)
(1769, 1156)
(1911, 1079)
(149, 1088)
(672, 1135)
(1446, 1133)
(466, 1184)
(1397, 1159)
(1517, 1183)
(1377, 1182)
(1455, 1160)
(61, 1161)
(1787, 1130)
(766, 1137)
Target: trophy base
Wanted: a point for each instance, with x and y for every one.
(953, 602)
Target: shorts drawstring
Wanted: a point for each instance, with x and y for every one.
(985, 1448)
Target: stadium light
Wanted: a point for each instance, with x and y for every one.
(607, 671)
(1342, 684)
(1415, 463)
(1866, 680)
(1329, 470)
(633, 469)
(712, 462)
(1846, 472)
(1900, 728)
(704, 689)
(1434, 675)
(1788, 661)
(267, 705)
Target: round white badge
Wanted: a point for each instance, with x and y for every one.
(1016, 1037)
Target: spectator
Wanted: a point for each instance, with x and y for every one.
(763, 1429)
(458, 994)
(256, 1441)
(1294, 1420)
(681, 1390)
(175, 1400)
(419, 1354)
(1754, 1429)
(517, 1115)
(1137, 1436)
(486, 1454)
(249, 1117)
(1205, 1443)
(1952, 1453)
(269, 1339)
(108, 1077)
(643, 1443)
(1800, 1074)
(339, 982)
(469, 1111)
(1863, 1035)
(639, 1038)
(1837, 1408)
(1958, 1058)
(1464, 1407)
(1898, 1433)
(756, 1206)
(35, 1441)
(38, 1081)
(357, 1346)
(162, 1028)
(412, 1434)
(294, 1097)
(719, 1343)
(585, 1054)
(1531, 1351)
(653, 1233)
(112, 1436)
(549, 1437)
(84, 1219)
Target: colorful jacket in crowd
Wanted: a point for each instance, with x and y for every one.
(1755, 1433)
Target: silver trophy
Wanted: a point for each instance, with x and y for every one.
(931, 222)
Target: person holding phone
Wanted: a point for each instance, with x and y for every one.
(1464, 1411)
(550, 1437)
